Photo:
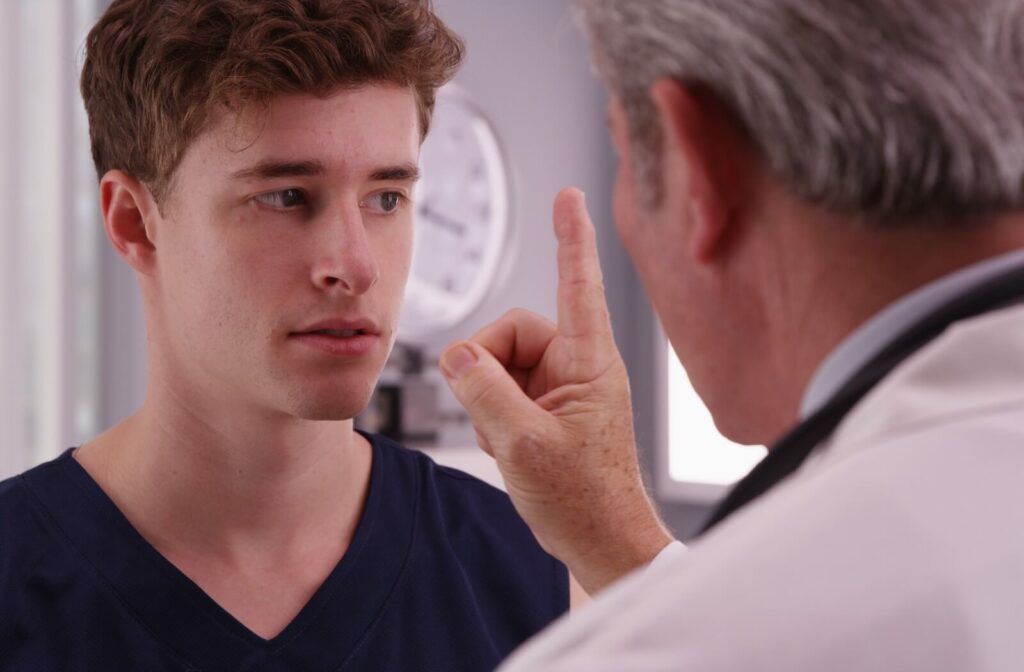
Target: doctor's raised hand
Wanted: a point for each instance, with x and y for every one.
(550, 402)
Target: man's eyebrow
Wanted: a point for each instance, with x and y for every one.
(407, 172)
(271, 169)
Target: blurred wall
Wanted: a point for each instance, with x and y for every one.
(49, 234)
(9, 458)
(527, 63)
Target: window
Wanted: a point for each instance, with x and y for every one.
(698, 462)
(49, 235)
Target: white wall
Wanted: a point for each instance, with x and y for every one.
(526, 65)
(47, 235)
(10, 399)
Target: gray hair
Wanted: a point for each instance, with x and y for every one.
(885, 109)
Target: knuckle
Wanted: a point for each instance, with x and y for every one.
(518, 315)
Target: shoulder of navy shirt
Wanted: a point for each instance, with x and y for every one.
(441, 574)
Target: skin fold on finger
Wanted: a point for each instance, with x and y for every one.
(484, 444)
(518, 339)
(532, 380)
(522, 378)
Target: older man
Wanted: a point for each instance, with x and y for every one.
(823, 199)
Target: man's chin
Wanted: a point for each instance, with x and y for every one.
(327, 409)
(331, 397)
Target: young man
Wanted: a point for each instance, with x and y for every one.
(257, 161)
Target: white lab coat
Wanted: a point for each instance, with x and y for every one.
(898, 546)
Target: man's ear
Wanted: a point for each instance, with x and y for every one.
(129, 218)
(704, 150)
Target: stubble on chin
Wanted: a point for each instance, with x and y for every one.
(329, 405)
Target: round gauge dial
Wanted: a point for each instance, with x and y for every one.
(462, 224)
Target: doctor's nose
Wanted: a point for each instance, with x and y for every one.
(346, 262)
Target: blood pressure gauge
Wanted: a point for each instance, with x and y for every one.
(463, 222)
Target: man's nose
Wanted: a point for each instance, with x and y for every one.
(345, 261)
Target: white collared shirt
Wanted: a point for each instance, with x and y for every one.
(860, 346)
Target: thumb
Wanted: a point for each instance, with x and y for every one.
(493, 399)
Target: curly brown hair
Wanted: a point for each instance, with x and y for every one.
(158, 72)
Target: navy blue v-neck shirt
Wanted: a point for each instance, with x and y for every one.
(441, 575)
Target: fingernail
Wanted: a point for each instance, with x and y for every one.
(457, 361)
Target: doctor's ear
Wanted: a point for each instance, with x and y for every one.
(707, 163)
(129, 217)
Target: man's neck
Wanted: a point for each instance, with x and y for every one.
(221, 484)
(870, 338)
(848, 276)
(255, 508)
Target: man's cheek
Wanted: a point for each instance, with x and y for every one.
(396, 264)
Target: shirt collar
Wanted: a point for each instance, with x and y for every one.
(860, 346)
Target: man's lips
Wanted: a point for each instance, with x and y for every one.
(342, 338)
(340, 328)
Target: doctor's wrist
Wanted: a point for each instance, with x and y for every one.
(624, 549)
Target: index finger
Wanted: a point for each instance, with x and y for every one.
(582, 307)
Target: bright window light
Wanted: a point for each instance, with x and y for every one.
(697, 452)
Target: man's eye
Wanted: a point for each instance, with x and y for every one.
(386, 201)
(284, 199)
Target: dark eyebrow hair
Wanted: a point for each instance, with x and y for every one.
(271, 169)
(408, 172)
